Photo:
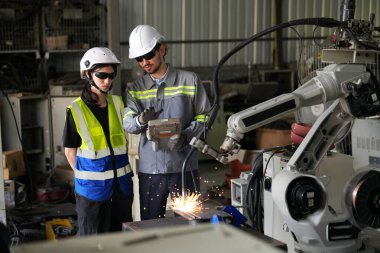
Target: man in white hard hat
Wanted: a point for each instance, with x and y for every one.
(95, 147)
(164, 92)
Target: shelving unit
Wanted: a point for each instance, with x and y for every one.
(21, 70)
(41, 45)
(19, 29)
(38, 40)
(73, 28)
(67, 33)
(20, 46)
(31, 121)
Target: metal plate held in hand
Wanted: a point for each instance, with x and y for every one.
(160, 130)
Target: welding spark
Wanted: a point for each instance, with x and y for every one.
(189, 202)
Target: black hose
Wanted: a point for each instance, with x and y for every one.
(322, 22)
(254, 192)
(184, 165)
(27, 168)
(360, 43)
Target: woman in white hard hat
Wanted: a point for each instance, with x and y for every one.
(164, 92)
(96, 148)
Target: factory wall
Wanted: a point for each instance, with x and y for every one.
(201, 32)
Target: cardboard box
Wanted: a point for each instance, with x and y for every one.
(56, 42)
(268, 138)
(13, 164)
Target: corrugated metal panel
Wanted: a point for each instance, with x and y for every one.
(201, 32)
(193, 28)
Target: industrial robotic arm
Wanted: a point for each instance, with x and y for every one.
(323, 209)
(333, 82)
(300, 194)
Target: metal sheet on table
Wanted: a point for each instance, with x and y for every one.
(205, 213)
(155, 223)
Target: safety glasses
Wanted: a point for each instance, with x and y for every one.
(150, 55)
(104, 75)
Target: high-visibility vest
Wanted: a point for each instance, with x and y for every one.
(96, 166)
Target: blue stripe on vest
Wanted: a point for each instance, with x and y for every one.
(121, 161)
(101, 164)
(101, 190)
(98, 190)
(126, 184)
(96, 165)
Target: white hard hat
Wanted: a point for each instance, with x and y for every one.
(142, 40)
(96, 55)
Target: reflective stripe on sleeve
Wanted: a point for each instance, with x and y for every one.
(130, 113)
(201, 118)
(143, 94)
(183, 89)
(169, 91)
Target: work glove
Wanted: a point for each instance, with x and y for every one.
(148, 114)
(177, 142)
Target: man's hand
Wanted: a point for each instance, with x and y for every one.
(177, 142)
(148, 114)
